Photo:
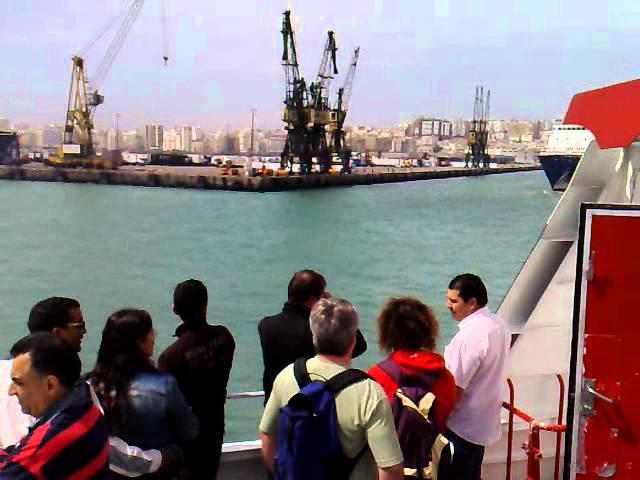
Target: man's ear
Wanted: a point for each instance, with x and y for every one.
(56, 331)
(52, 384)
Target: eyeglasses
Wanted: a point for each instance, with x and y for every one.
(79, 325)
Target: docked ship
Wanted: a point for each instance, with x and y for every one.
(574, 365)
(9, 148)
(566, 145)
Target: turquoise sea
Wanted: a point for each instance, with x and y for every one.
(111, 247)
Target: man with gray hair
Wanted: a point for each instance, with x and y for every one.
(365, 422)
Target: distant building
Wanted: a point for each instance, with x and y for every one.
(5, 124)
(131, 140)
(384, 142)
(244, 140)
(276, 141)
(197, 140)
(432, 127)
(51, 136)
(171, 140)
(460, 128)
(215, 142)
(409, 145)
(396, 144)
(153, 137)
(370, 142)
(519, 131)
(186, 134)
(113, 142)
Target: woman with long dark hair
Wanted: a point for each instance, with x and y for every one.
(141, 405)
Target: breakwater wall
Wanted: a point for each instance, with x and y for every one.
(174, 178)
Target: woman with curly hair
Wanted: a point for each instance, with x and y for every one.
(141, 405)
(407, 331)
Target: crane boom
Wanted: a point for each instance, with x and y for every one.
(487, 107)
(347, 88)
(326, 71)
(340, 114)
(290, 59)
(116, 44)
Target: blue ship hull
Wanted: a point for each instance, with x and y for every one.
(9, 148)
(559, 169)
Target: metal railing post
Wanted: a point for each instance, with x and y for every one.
(532, 446)
(512, 401)
(556, 474)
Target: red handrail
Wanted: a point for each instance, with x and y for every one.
(532, 447)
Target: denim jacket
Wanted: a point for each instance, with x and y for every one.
(158, 414)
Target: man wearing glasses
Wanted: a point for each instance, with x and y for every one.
(62, 317)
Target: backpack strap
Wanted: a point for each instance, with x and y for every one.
(392, 369)
(301, 373)
(339, 382)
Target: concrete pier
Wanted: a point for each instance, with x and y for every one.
(209, 177)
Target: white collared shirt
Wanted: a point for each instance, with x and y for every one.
(477, 356)
(13, 423)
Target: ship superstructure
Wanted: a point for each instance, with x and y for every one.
(566, 145)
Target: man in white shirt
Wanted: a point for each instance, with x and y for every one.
(476, 356)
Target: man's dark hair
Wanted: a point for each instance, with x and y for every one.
(470, 286)
(306, 284)
(190, 299)
(50, 355)
(50, 313)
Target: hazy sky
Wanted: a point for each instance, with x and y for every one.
(417, 56)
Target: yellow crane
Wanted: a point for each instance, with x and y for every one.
(77, 149)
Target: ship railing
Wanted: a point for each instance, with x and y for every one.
(250, 394)
(532, 446)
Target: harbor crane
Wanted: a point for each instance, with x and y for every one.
(478, 133)
(296, 113)
(339, 145)
(309, 117)
(321, 113)
(77, 149)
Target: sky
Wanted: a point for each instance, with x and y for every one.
(418, 57)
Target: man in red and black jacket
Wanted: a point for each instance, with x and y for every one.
(70, 438)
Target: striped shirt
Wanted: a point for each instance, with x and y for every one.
(70, 442)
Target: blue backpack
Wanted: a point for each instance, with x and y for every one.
(308, 447)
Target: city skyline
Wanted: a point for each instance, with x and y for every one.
(224, 59)
(422, 135)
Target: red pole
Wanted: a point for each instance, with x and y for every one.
(533, 454)
(556, 474)
(512, 400)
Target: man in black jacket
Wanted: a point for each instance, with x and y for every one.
(200, 359)
(287, 336)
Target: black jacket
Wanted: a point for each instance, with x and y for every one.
(200, 359)
(287, 336)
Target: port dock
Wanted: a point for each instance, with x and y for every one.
(210, 178)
